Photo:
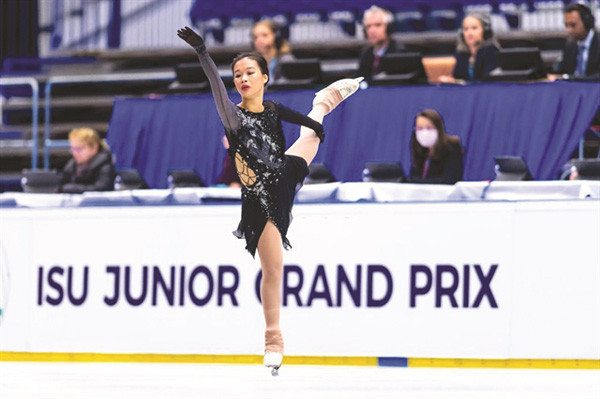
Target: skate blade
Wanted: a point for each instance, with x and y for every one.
(274, 371)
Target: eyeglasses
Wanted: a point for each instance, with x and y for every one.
(77, 149)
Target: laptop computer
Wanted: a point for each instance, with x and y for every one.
(40, 181)
(511, 168)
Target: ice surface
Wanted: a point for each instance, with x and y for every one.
(168, 380)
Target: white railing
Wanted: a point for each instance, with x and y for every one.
(58, 80)
(31, 82)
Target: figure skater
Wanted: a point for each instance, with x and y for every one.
(269, 175)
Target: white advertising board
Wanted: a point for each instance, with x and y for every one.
(481, 280)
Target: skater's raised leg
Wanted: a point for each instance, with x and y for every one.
(307, 145)
(324, 102)
(335, 93)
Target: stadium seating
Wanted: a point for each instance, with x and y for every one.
(326, 34)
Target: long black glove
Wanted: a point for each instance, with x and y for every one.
(190, 37)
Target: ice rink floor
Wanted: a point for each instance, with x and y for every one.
(168, 380)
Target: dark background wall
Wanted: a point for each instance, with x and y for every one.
(18, 29)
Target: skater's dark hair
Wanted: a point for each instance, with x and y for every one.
(253, 55)
(420, 153)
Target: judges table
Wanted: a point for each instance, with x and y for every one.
(542, 122)
(477, 270)
(322, 193)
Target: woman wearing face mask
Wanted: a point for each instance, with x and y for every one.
(91, 168)
(269, 174)
(436, 156)
(477, 52)
(267, 41)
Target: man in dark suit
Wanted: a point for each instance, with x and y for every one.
(581, 55)
(378, 25)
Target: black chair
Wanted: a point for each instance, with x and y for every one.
(511, 168)
(401, 68)
(40, 181)
(523, 63)
(587, 169)
(190, 78)
(319, 173)
(295, 74)
(184, 178)
(391, 172)
(129, 179)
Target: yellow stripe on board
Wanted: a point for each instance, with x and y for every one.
(126, 357)
(172, 358)
(507, 363)
(332, 360)
(297, 360)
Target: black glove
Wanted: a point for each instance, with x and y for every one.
(190, 37)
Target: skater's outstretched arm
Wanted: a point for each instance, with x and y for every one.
(289, 115)
(226, 108)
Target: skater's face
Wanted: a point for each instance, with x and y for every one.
(263, 38)
(472, 30)
(375, 28)
(248, 78)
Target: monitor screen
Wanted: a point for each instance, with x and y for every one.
(587, 167)
(400, 68)
(511, 168)
(519, 59)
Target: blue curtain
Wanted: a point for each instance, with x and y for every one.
(541, 122)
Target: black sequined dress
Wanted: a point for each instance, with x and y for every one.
(270, 178)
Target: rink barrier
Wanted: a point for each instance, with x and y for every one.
(304, 360)
(378, 288)
(507, 363)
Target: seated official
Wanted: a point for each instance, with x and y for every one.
(436, 156)
(91, 168)
(378, 24)
(267, 40)
(477, 52)
(581, 54)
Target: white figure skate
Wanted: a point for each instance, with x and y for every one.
(273, 361)
(335, 93)
(273, 350)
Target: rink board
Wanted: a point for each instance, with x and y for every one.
(304, 360)
(471, 284)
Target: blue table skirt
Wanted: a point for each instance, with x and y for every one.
(542, 122)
